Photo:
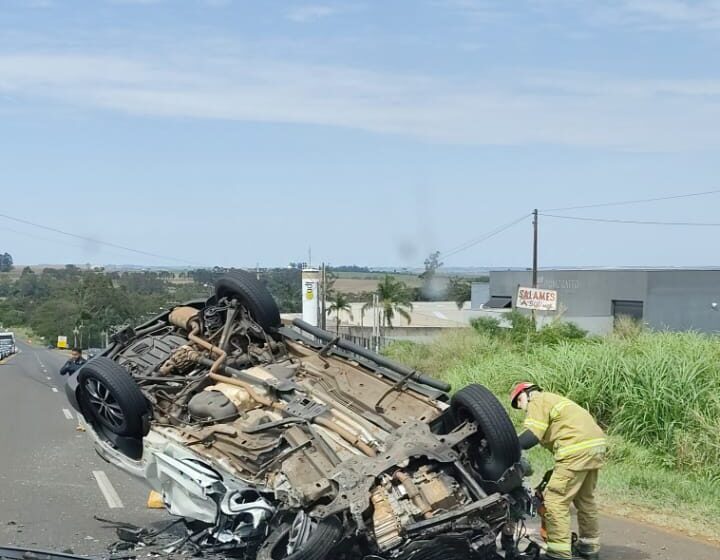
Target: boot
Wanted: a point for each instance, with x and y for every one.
(587, 551)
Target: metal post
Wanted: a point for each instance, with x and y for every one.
(535, 257)
(323, 281)
(376, 322)
(535, 248)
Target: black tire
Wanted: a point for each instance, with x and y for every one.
(476, 403)
(104, 381)
(319, 545)
(252, 295)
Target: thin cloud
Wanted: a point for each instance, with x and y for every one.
(701, 12)
(650, 15)
(513, 109)
(38, 3)
(136, 2)
(311, 12)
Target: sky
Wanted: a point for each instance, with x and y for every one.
(243, 133)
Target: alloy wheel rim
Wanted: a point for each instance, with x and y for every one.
(106, 407)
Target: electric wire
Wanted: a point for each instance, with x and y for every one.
(484, 237)
(632, 222)
(629, 202)
(91, 240)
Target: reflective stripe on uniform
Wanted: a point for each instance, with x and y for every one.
(570, 449)
(553, 546)
(555, 410)
(530, 423)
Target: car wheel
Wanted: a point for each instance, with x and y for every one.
(302, 538)
(496, 447)
(113, 398)
(251, 293)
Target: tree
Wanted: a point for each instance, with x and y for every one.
(6, 262)
(431, 291)
(339, 302)
(432, 263)
(285, 285)
(459, 290)
(394, 297)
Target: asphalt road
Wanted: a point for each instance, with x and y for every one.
(50, 476)
(52, 483)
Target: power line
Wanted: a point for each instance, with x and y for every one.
(628, 202)
(91, 240)
(484, 237)
(48, 239)
(635, 222)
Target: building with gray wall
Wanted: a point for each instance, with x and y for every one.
(672, 299)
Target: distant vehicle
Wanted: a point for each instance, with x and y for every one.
(7, 344)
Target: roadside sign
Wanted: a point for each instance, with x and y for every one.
(62, 342)
(535, 298)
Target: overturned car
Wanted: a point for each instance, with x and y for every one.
(283, 441)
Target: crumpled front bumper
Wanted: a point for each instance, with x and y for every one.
(190, 487)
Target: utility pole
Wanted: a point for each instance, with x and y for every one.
(323, 281)
(535, 258)
(376, 323)
(535, 248)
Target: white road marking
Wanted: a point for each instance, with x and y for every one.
(67, 414)
(111, 496)
(49, 378)
(39, 362)
(54, 389)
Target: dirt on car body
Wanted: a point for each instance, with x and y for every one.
(282, 441)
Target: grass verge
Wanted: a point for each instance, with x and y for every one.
(656, 394)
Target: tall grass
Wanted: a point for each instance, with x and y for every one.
(659, 391)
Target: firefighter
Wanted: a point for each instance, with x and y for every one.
(578, 445)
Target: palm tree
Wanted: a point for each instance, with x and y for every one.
(339, 302)
(394, 297)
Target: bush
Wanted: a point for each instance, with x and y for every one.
(555, 332)
(628, 328)
(658, 391)
(487, 325)
(523, 326)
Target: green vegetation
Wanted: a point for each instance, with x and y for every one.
(656, 393)
(6, 262)
(523, 329)
(339, 302)
(459, 290)
(394, 297)
(59, 301)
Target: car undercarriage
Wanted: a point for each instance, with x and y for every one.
(284, 441)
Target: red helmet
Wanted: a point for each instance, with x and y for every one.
(520, 388)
